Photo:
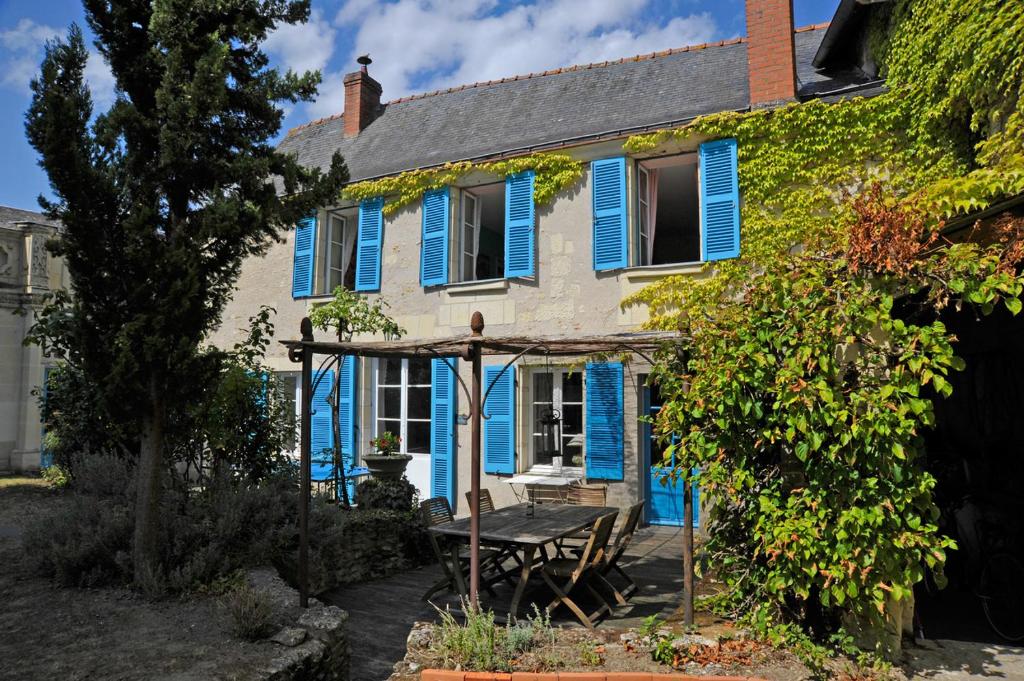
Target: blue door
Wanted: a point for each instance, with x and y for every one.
(664, 495)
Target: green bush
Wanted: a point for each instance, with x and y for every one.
(481, 645)
(55, 476)
(250, 613)
(348, 546)
(88, 545)
(204, 535)
(386, 495)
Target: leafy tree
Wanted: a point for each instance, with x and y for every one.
(162, 197)
(802, 401)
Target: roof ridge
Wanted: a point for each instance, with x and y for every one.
(563, 69)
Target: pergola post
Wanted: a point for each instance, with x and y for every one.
(306, 328)
(687, 552)
(476, 324)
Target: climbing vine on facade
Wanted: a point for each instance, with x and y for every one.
(809, 365)
(553, 174)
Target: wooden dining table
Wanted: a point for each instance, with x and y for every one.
(527, 528)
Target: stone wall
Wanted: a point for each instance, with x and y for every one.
(27, 274)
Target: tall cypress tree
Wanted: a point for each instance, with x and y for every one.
(163, 196)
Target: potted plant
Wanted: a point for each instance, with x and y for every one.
(386, 463)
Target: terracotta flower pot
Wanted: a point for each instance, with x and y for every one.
(387, 467)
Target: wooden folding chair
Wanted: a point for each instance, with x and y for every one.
(610, 562)
(577, 573)
(486, 503)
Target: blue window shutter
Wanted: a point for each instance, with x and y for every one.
(442, 428)
(719, 200)
(303, 264)
(434, 252)
(370, 236)
(348, 419)
(519, 232)
(322, 426)
(605, 449)
(608, 185)
(499, 420)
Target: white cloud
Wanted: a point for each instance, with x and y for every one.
(422, 45)
(302, 47)
(21, 52)
(100, 80)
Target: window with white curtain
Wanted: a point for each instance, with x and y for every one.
(668, 211)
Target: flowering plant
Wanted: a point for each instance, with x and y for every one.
(386, 444)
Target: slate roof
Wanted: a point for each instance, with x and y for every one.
(9, 216)
(525, 113)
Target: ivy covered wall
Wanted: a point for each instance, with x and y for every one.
(948, 136)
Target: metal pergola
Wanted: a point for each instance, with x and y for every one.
(471, 348)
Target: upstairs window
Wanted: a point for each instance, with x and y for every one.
(339, 252)
(668, 211)
(481, 242)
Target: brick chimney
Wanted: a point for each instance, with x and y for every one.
(771, 62)
(362, 98)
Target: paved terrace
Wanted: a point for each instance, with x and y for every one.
(382, 612)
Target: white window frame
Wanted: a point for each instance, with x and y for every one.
(465, 249)
(643, 199)
(556, 395)
(403, 385)
(641, 203)
(334, 239)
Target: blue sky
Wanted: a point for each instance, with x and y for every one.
(417, 45)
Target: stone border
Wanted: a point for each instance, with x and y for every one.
(450, 675)
(316, 647)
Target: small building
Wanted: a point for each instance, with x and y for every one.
(28, 273)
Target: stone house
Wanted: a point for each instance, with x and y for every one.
(27, 273)
(552, 270)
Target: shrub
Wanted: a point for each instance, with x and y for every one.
(386, 495)
(101, 475)
(55, 476)
(89, 545)
(355, 545)
(250, 613)
(481, 645)
(204, 535)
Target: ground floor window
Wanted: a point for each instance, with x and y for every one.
(668, 211)
(557, 393)
(402, 402)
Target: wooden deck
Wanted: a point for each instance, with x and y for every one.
(381, 613)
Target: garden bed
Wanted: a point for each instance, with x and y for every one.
(576, 653)
(72, 633)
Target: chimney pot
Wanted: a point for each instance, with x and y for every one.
(771, 57)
